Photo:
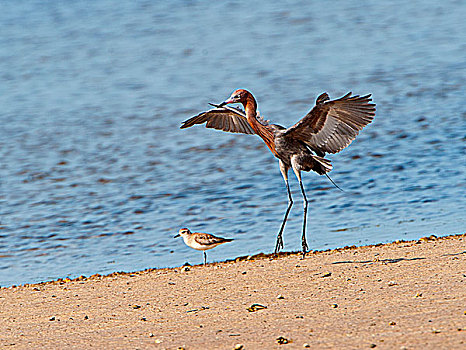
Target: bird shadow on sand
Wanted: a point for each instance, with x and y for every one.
(389, 261)
(453, 254)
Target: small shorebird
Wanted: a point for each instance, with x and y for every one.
(201, 241)
(328, 128)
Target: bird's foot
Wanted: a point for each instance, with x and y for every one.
(305, 248)
(279, 244)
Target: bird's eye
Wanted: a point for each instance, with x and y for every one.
(237, 96)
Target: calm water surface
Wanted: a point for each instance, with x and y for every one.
(96, 176)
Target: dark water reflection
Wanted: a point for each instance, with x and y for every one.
(95, 175)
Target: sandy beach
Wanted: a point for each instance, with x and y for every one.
(403, 295)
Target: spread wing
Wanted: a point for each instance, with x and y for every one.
(222, 118)
(333, 124)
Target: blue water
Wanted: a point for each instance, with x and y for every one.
(96, 176)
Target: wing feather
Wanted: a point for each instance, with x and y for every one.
(207, 239)
(333, 124)
(221, 118)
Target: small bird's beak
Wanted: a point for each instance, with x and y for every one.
(178, 235)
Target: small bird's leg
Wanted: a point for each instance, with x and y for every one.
(303, 238)
(279, 244)
(205, 257)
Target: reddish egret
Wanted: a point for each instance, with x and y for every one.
(201, 241)
(328, 128)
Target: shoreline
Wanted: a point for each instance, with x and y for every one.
(261, 255)
(405, 294)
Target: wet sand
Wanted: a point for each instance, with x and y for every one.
(403, 295)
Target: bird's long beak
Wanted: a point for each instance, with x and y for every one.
(178, 235)
(226, 102)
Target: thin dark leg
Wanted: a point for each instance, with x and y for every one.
(303, 238)
(205, 257)
(279, 244)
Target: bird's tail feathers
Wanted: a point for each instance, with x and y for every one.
(322, 165)
(318, 164)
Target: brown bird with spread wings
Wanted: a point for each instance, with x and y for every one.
(328, 128)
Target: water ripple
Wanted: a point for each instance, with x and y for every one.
(96, 176)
